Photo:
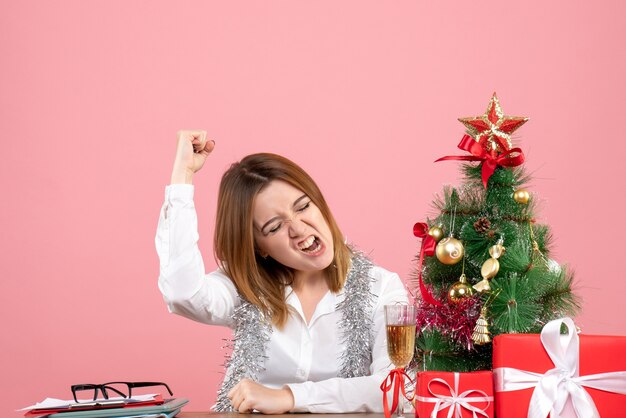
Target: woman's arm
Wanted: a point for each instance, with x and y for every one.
(336, 395)
(182, 280)
(186, 289)
(358, 394)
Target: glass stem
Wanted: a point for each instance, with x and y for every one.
(400, 413)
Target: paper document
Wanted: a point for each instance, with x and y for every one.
(50, 403)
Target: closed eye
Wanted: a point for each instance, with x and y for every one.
(305, 207)
(275, 227)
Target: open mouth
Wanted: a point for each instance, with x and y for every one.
(310, 245)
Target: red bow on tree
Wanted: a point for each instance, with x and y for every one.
(490, 159)
(420, 230)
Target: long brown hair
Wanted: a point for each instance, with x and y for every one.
(262, 281)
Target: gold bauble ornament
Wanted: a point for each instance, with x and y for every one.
(436, 232)
(521, 196)
(449, 251)
(459, 290)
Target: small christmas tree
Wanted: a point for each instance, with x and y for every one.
(484, 267)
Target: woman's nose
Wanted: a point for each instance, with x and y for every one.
(296, 227)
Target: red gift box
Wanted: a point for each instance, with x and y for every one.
(468, 394)
(569, 368)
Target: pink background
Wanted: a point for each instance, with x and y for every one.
(363, 94)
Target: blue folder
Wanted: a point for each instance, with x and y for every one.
(168, 409)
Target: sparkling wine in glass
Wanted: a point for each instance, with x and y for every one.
(400, 322)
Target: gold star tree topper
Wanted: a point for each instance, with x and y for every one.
(493, 129)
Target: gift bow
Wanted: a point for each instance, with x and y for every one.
(490, 160)
(395, 380)
(456, 401)
(429, 244)
(553, 388)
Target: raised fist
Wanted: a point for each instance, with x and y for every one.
(192, 150)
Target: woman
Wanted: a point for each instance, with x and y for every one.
(306, 309)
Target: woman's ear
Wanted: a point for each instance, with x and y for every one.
(260, 252)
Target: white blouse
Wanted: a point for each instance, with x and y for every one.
(304, 356)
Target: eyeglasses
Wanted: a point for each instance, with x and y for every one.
(123, 389)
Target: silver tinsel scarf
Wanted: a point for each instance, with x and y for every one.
(356, 319)
(249, 342)
(253, 332)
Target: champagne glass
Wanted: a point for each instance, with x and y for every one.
(400, 321)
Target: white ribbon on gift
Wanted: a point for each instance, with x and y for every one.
(553, 388)
(456, 401)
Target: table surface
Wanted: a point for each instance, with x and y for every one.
(235, 414)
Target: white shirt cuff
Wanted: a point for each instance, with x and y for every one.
(299, 391)
(179, 191)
